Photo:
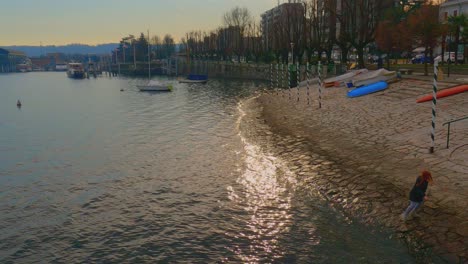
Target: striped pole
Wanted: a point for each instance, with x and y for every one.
(285, 78)
(307, 76)
(289, 79)
(434, 103)
(298, 79)
(282, 78)
(319, 72)
(277, 78)
(271, 76)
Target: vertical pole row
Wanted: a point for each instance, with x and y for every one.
(434, 103)
(319, 72)
(298, 79)
(307, 76)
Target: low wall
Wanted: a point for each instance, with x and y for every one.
(252, 71)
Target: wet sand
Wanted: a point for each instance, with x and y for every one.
(369, 151)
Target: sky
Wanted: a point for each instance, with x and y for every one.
(61, 22)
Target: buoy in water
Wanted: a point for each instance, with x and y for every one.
(122, 90)
(18, 103)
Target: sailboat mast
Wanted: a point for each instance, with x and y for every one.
(149, 58)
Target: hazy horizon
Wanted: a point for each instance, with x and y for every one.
(67, 44)
(87, 22)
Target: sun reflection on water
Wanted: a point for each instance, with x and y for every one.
(266, 190)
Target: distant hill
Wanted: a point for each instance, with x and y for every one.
(34, 51)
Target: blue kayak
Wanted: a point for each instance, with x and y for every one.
(367, 89)
(197, 77)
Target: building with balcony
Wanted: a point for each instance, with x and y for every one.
(282, 25)
(453, 8)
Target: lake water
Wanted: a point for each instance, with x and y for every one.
(89, 173)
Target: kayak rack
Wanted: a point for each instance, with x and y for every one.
(448, 129)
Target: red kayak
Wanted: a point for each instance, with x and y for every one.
(445, 93)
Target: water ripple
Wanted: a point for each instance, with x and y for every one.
(92, 174)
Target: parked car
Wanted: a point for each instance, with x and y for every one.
(420, 58)
(450, 57)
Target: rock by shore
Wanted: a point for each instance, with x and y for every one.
(372, 149)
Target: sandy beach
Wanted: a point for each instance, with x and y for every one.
(372, 149)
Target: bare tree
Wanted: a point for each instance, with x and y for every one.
(168, 46)
(294, 27)
(321, 26)
(361, 18)
(156, 46)
(342, 38)
(238, 18)
(426, 29)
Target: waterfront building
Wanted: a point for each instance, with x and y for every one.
(57, 61)
(42, 64)
(9, 59)
(282, 25)
(4, 63)
(452, 8)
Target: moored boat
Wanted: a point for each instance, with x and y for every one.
(367, 89)
(75, 70)
(24, 67)
(373, 77)
(61, 67)
(195, 78)
(342, 79)
(155, 86)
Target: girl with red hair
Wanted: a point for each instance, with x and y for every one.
(418, 193)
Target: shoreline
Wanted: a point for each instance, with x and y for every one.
(375, 146)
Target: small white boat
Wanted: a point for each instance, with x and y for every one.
(155, 86)
(342, 79)
(192, 81)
